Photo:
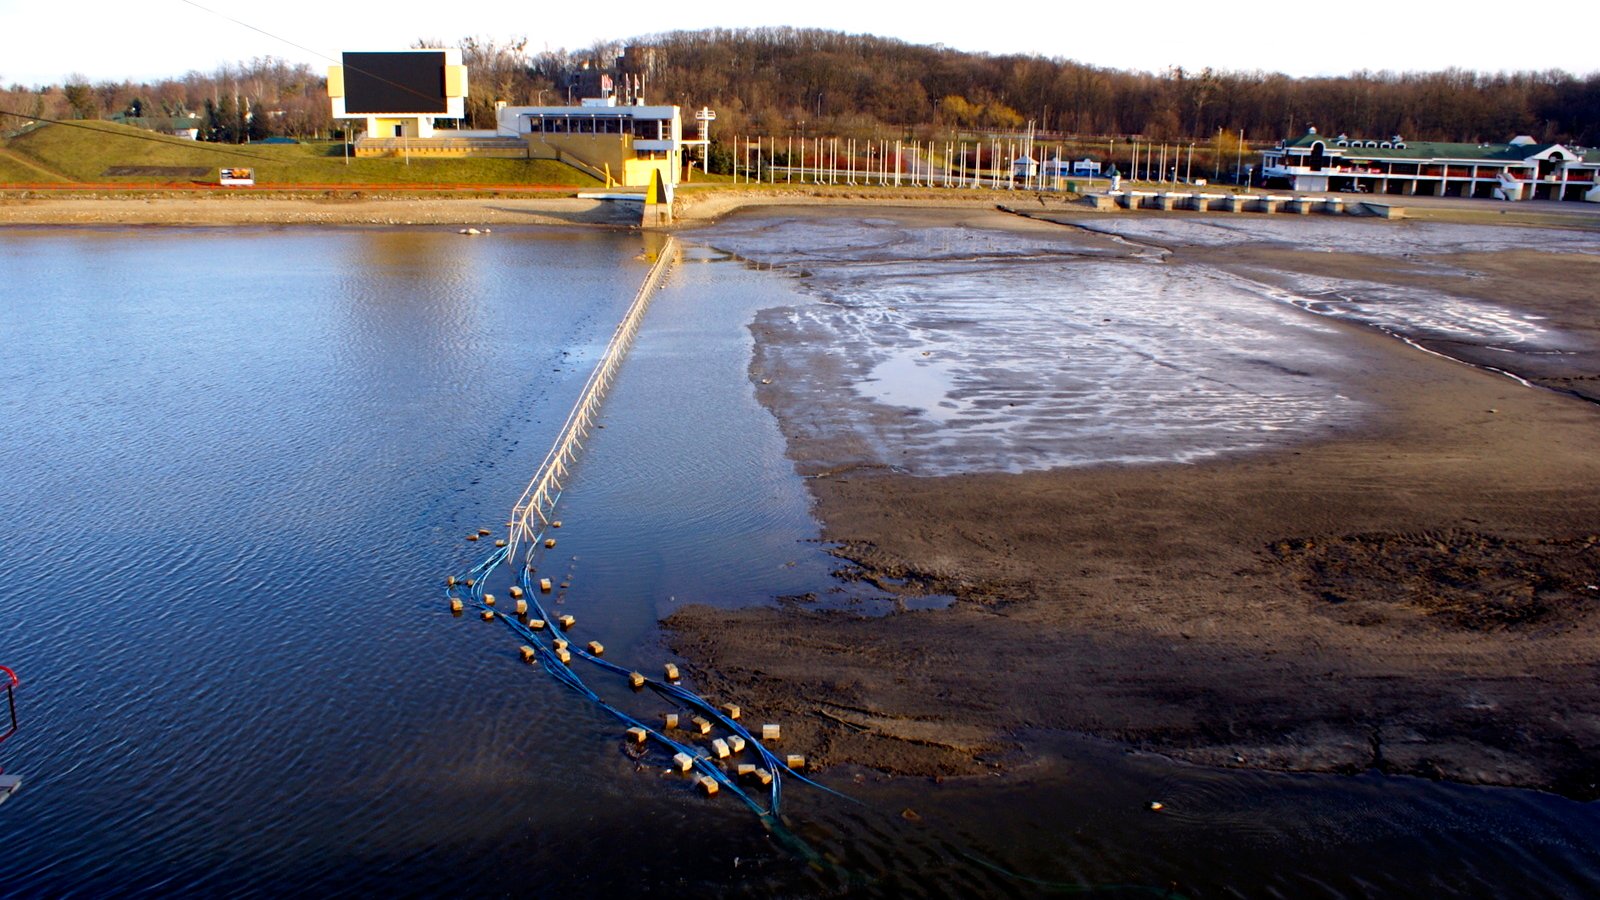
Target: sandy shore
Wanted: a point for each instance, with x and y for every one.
(1416, 595)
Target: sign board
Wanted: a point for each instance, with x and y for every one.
(238, 177)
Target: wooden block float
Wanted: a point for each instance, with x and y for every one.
(683, 761)
(483, 532)
(488, 615)
(488, 599)
(556, 524)
(544, 585)
(500, 542)
(702, 724)
(566, 622)
(549, 543)
(455, 604)
(709, 785)
(561, 645)
(515, 592)
(536, 624)
(564, 655)
(771, 732)
(795, 761)
(672, 672)
(597, 648)
(637, 734)
(746, 769)
(635, 679)
(763, 776)
(522, 607)
(671, 719)
(720, 748)
(528, 653)
(731, 710)
(450, 581)
(472, 537)
(736, 742)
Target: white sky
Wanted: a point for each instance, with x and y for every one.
(42, 42)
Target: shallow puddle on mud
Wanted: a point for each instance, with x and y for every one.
(1010, 354)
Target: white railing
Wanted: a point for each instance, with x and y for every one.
(532, 513)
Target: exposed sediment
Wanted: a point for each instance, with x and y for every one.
(1413, 592)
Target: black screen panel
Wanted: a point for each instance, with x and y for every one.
(409, 82)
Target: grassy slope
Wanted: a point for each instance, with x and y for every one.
(85, 153)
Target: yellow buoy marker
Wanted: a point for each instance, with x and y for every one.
(566, 622)
(563, 654)
(536, 624)
(709, 785)
(528, 653)
(763, 776)
(597, 648)
(672, 672)
(488, 614)
(549, 543)
(515, 592)
(771, 732)
(522, 607)
(683, 761)
(720, 748)
(736, 742)
(671, 719)
(731, 710)
(488, 599)
(702, 724)
(544, 585)
(745, 769)
(636, 679)
(795, 761)
(637, 734)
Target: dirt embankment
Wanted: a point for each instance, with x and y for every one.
(1420, 596)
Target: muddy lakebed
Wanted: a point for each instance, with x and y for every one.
(1248, 493)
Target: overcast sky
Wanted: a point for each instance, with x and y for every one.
(42, 42)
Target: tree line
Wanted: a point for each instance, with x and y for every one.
(791, 81)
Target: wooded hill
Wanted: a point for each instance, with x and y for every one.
(778, 81)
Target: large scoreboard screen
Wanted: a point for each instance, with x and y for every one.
(397, 83)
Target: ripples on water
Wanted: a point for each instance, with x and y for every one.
(235, 465)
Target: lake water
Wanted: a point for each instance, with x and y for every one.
(236, 464)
